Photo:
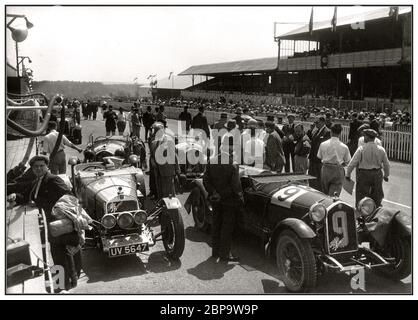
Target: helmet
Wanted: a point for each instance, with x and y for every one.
(120, 153)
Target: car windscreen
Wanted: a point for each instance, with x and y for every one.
(120, 206)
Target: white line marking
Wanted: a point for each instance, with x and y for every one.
(398, 204)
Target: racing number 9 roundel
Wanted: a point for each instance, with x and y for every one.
(285, 197)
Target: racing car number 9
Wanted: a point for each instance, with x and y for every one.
(285, 197)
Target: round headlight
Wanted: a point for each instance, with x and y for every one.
(125, 220)
(133, 159)
(140, 217)
(366, 206)
(108, 221)
(317, 212)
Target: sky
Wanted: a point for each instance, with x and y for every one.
(118, 44)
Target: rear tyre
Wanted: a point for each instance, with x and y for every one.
(172, 229)
(199, 212)
(296, 262)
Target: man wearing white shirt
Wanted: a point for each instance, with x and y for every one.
(253, 145)
(57, 165)
(334, 156)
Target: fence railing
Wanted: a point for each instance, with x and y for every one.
(398, 145)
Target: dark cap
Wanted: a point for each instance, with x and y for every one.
(370, 133)
(224, 115)
(270, 125)
(39, 158)
(231, 124)
(270, 118)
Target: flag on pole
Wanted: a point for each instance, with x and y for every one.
(169, 77)
(394, 12)
(311, 22)
(334, 20)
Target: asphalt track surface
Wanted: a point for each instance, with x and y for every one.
(198, 273)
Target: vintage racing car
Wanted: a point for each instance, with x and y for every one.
(308, 232)
(121, 146)
(192, 158)
(113, 195)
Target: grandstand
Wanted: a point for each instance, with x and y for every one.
(359, 64)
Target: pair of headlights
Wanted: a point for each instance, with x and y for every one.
(366, 206)
(124, 220)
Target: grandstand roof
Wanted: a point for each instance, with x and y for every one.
(241, 66)
(302, 32)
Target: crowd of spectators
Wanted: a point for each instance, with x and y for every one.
(386, 119)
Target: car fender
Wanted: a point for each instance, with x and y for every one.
(296, 225)
(197, 187)
(389, 220)
(171, 203)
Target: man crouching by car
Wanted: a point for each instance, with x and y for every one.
(221, 180)
(45, 191)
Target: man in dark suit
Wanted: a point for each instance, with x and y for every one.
(289, 143)
(353, 135)
(46, 190)
(221, 180)
(200, 122)
(148, 119)
(274, 149)
(186, 117)
(321, 134)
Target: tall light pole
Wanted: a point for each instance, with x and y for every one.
(18, 34)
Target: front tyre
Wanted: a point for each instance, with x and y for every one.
(296, 262)
(397, 247)
(172, 230)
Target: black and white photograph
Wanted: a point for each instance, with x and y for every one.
(198, 149)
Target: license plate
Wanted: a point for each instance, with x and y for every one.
(127, 250)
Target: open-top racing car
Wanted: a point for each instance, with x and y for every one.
(308, 232)
(192, 158)
(113, 195)
(121, 146)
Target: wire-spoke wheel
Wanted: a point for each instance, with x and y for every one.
(296, 262)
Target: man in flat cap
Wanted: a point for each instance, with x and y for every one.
(370, 159)
(361, 134)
